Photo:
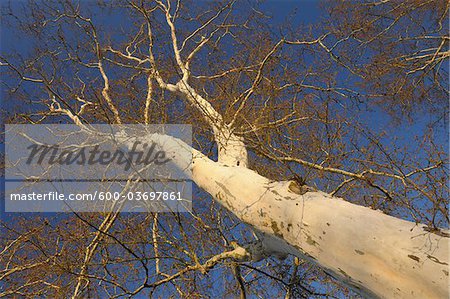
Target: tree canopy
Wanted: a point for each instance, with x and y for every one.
(353, 103)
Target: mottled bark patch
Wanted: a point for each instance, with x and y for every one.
(311, 241)
(297, 188)
(275, 192)
(343, 273)
(225, 189)
(294, 187)
(436, 260)
(413, 257)
(276, 230)
(289, 226)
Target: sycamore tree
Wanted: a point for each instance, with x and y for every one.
(319, 155)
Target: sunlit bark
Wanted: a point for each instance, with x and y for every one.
(375, 254)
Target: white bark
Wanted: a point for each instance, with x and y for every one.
(232, 151)
(375, 254)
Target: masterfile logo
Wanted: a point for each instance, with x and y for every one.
(109, 164)
(54, 154)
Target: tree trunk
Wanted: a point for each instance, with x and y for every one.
(373, 253)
